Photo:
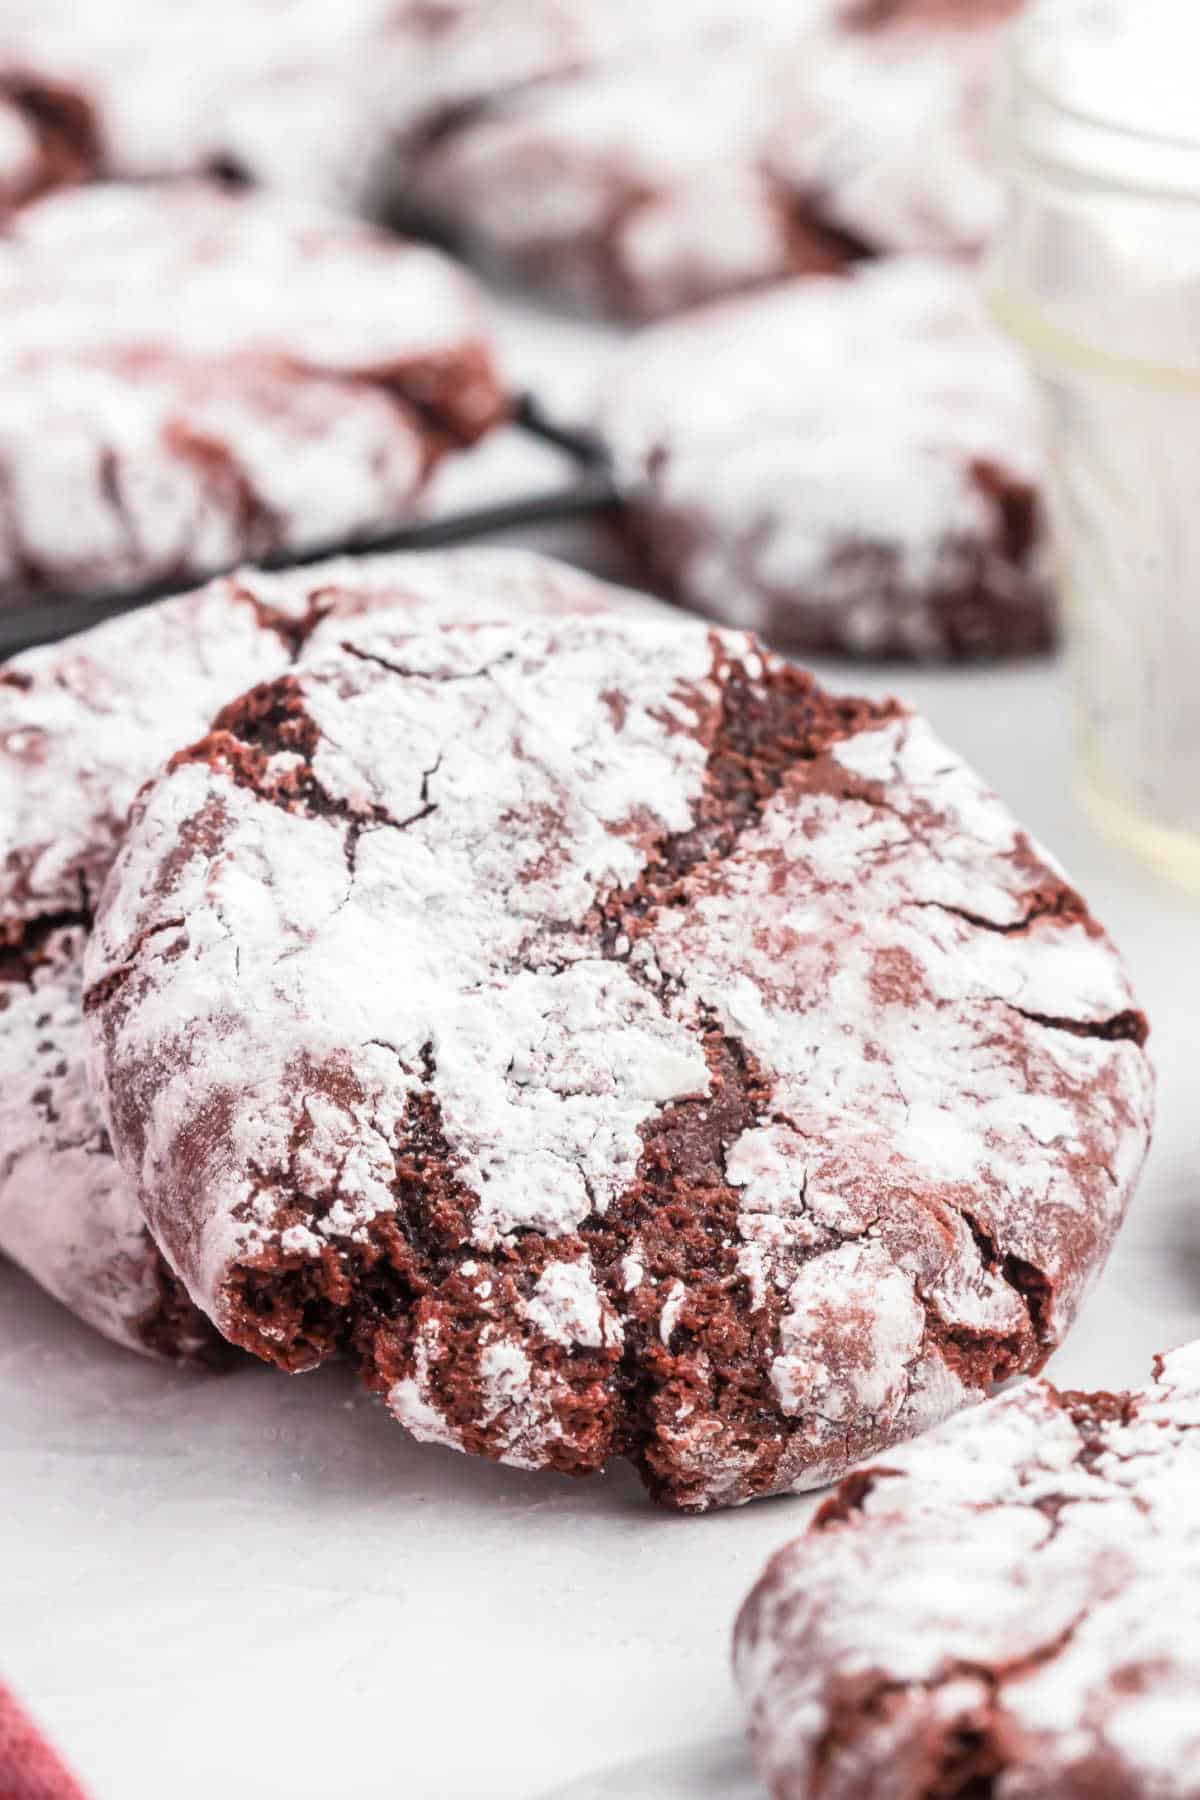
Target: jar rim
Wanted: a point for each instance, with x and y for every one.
(1057, 131)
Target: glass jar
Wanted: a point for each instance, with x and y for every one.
(1097, 273)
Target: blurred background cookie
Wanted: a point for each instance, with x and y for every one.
(763, 142)
(1009, 1606)
(190, 375)
(849, 463)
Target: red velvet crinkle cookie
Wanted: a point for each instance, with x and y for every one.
(82, 725)
(619, 1045)
(1010, 1607)
(633, 188)
(849, 464)
(754, 142)
(303, 95)
(189, 375)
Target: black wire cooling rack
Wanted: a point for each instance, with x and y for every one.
(50, 616)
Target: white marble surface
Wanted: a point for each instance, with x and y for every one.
(256, 1586)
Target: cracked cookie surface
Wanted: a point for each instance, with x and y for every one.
(619, 1045)
(189, 375)
(858, 468)
(82, 725)
(1009, 1607)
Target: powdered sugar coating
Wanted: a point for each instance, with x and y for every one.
(886, 122)
(188, 375)
(615, 998)
(629, 188)
(569, 1307)
(82, 725)
(857, 466)
(66, 1211)
(1012, 1601)
(761, 142)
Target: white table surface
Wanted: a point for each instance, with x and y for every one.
(255, 1586)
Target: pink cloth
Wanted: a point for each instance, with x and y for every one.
(29, 1768)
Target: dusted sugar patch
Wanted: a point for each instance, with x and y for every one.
(633, 189)
(189, 375)
(82, 725)
(619, 1045)
(748, 144)
(847, 464)
(882, 130)
(67, 1213)
(1011, 1606)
